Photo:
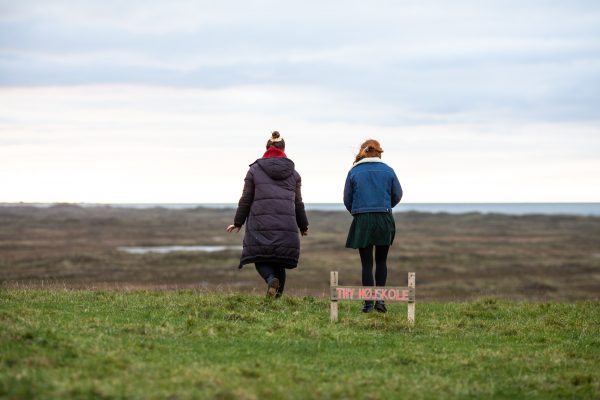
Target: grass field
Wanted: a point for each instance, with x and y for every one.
(193, 344)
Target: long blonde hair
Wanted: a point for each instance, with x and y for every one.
(370, 148)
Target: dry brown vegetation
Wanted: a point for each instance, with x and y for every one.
(454, 256)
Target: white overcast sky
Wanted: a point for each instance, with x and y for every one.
(169, 101)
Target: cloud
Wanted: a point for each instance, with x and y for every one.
(121, 143)
(531, 61)
(465, 96)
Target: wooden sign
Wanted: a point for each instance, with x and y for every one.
(372, 293)
(385, 293)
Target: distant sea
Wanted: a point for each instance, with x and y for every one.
(451, 208)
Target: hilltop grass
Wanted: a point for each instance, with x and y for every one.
(185, 344)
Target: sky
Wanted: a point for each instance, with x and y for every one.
(170, 101)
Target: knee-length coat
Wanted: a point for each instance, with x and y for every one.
(271, 207)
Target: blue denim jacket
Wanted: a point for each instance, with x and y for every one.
(371, 186)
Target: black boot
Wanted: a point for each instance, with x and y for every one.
(380, 306)
(368, 306)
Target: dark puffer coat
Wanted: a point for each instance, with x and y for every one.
(272, 207)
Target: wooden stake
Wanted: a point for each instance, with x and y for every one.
(411, 306)
(333, 282)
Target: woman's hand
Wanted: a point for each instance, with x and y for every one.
(304, 233)
(232, 228)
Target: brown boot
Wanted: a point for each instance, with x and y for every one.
(272, 287)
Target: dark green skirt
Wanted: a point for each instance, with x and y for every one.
(371, 229)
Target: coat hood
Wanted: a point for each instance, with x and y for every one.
(278, 168)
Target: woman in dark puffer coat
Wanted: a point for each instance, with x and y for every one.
(272, 208)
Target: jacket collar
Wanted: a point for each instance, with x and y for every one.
(369, 160)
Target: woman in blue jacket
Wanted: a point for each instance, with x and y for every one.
(371, 191)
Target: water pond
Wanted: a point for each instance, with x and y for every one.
(172, 249)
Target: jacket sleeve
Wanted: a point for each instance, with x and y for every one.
(301, 218)
(396, 191)
(245, 202)
(348, 193)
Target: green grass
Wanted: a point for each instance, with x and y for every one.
(184, 344)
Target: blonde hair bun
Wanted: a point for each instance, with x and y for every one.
(275, 137)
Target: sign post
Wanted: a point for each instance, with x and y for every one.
(411, 304)
(334, 304)
(385, 293)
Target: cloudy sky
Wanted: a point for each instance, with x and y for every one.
(169, 101)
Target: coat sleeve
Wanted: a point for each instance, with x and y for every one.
(245, 202)
(348, 193)
(396, 191)
(301, 218)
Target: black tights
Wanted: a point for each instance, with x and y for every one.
(366, 259)
(269, 271)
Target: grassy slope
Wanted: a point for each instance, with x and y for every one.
(80, 344)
